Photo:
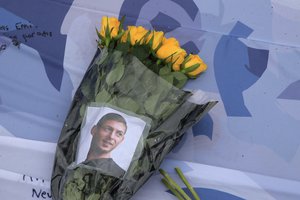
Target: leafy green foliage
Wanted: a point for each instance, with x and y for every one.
(115, 74)
(142, 52)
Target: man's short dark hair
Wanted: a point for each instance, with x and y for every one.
(112, 116)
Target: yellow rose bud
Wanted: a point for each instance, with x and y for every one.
(193, 60)
(124, 36)
(178, 55)
(179, 58)
(136, 34)
(170, 41)
(157, 38)
(112, 23)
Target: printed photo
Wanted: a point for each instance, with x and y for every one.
(109, 139)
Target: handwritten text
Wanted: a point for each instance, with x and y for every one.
(22, 26)
(41, 194)
(4, 28)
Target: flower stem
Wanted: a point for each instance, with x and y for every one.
(173, 190)
(174, 184)
(158, 62)
(188, 185)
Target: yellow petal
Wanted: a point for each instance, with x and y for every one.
(170, 41)
(113, 24)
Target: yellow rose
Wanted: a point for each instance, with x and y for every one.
(166, 50)
(170, 41)
(124, 36)
(192, 62)
(136, 34)
(112, 23)
(179, 58)
(157, 38)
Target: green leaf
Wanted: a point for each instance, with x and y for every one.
(121, 23)
(139, 92)
(115, 74)
(163, 88)
(85, 88)
(154, 68)
(151, 104)
(180, 79)
(94, 196)
(128, 38)
(187, 59)
(117, 56)
(97, 83)
(141, 111)
(107, 31)
(149, 81)
(118, 37)
(100, 59)
(80, 184)
(168, 78)
(150, 43)
(103, 96)
(164, 71)
(123, 46)
(113, 101)
(111, 44)
(170, 109)
(128, 103)
(179, 76)
(82, 110)
(100, 36)
(147, 62)
(162, 108)
(71, 192)
(191, 68)
(180, 84)
(141, 51)
(78, 174)
(126, 84)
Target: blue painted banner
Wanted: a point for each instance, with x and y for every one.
(251, 47)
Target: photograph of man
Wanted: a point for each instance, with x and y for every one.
(107, 134)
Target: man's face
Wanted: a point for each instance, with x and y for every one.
(108, 136)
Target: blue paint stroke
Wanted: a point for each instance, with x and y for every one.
(237, 67)
(161, 19)
(189, 6)
(204, 127)
(258, 61)
(209, 194)
(191, 47)
(131, 9)
(291, 92)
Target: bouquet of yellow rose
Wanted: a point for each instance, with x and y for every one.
(162, 55)
(131, 93)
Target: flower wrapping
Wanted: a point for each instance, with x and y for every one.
(117, 80)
